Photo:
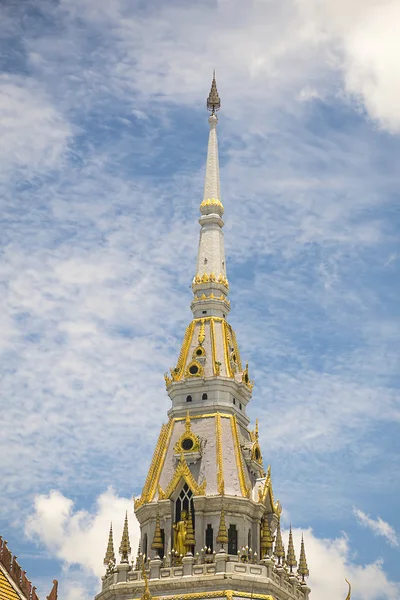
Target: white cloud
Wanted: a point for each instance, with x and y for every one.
(34, 135)
(377, 526)
(80, 537)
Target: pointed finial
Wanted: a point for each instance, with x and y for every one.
(157, 543)
(138, 557)
(125, 547)
(291, 557)
(222, 537)
(187, 422)
(213, 100)
(110, 555)
(303, 568)
(267, 541)
(189, 537)
(256, 430)
(279, 550)
(146, 592)
(349, 594)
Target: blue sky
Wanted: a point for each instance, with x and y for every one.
(103, 143)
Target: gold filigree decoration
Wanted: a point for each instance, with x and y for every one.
(212, 202)
(256, 453)
(202, 336)
(212, 297)
(182, 471)
(239, 459)
(246, 378)
(198, 352)
(267, 489)
(235, 347)
(213, 347)
(228, 594)
(194, 369)
(210, 278)
(225, 337)
(187, 435)
(156, 465)
(177, 372)
(220, 466)
(161, 493)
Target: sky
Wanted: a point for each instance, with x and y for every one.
(102, 148)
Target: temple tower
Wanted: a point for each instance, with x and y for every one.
(209, 523)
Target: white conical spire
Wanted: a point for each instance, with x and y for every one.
(210, 284)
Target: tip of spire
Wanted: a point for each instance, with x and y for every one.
(213, 100)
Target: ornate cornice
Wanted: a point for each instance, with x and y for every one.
(239, 459)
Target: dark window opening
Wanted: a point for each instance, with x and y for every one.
(145, 545)
(161, 551)
(232, 539)
(193, 369)
(210, 537)
(234, 401)
(204, 312)
(199, 352)
(187, 444)
(223, 315)
(240, 406)
(249, 539)
(257, 454)
(204, 396)
(188, 398)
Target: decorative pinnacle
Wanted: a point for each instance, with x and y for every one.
(291, 557)
(125, 546)
(110, 555)
(266, 538)
(303, 568)
(222, 537)
(189, 538)
(279, 550)
(213, 100)
(157, 543)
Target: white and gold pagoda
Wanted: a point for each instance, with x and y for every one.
(209, 523)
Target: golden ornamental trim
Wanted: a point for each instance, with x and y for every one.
(239, 459)
(177, 372)
(267, 489)
(182, 471)
(256, 447)
(236, 348)
(194, 369)
(225, 338)
(246, 378)
(210, 278)
(212, 296)
(228, 594)
(212, 202)
(202, 336)
(220, 466)
(216, 370)
(187, 435)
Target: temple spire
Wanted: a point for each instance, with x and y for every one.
(222, 537)
(110, 555)
(210, 284)
(291, 557)
(279, 550)
(157, 543)
(303, 568)
(125, 546)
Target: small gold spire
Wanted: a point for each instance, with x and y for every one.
(187, 423)
(267, 540)
(279, 550)
(213, 100)
(125, 546)
(349, 594)
(291, 557)
(189, 542)
(138, 558)
(303, 568)
(256, 430)
(157, 543)
(110, 555)
(222, 537)
(146, 592)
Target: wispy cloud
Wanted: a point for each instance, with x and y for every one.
(377, 526)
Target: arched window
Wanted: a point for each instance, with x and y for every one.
(210, 537)
(232, 539)
(184, 502)
(240, 406)
(145, 545)
(234, 400)
(188, 398)
(204, 396)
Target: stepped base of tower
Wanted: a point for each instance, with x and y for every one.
(209, 576)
